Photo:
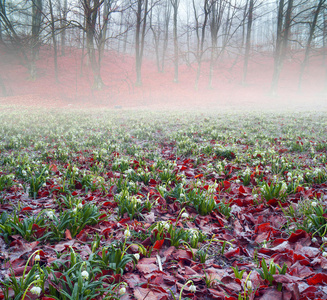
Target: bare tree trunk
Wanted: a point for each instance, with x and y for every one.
(54, 40)
(36, 28)
(3, 87)
(141, 21)
(217, 12)
(166, 36)
(175, 4)
(104, 30)
(282, 41)
(201, 39)
(63, 26)
(248, 41)
(156, 39)
(91, 13)
(308, 46)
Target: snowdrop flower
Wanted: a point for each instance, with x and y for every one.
(249, 285)
(185, 215)
(324, 254)
(37, 257)
(127, 233)
(79, 205)
(85, 275)
(324, 239)
(50, 214)
(192, 288)
(237, 181)
(36, 290)
(122, 291)
(314, 240)
(314, 204)
(167, 226)
(137, 256)
(24, 173)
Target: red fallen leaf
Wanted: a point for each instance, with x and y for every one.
(181, 254)
(20, 270)
(272, 294)
(48, 298)
(74, 193)
(143, 293)
(232, 253)
(68, 235)
(317, 279)
(147, 265)
(189, 173)
(198, 176)
(53, 168)
(299, 234)
(152, 181)
(286, 278)
(227, 184)
(158, 244)
(301, 271)
(27, 208)
(242, 190)
(82, 236)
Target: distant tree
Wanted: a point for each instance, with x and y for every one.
(22, 26)
(159, 25)
(175, 5)
(316, 10)
(96, 19)
(200, 29)
(284, 21)
(250, 4)
(142, 12)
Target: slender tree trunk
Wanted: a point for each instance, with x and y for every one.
(175, 4)
(63, 26)
(103, 32)
(91, 13)
(140, 37)
(36, 28)
(156, 40)
(166, 36)
(308, 46)
(3, 87)
(54, 40)
(282, 42)
(201, 46)
(248, 41)
(137, 44)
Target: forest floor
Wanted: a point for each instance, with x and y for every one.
(158, 90)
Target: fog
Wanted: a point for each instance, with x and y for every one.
(164, 55)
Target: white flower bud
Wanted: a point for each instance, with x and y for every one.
(314, 240)
(185, 215)
(85, 275)
(127, 233)
(37, 257)
(122, 291)
(36, 290)
(192, 288)
(249, 285)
